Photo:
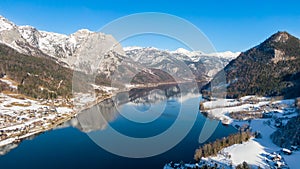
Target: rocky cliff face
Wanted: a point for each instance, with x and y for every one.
(81, 47)
(100, 55)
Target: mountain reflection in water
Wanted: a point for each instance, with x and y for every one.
(70, 142)
(98, 116)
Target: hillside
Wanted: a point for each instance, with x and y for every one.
(269, 69)
(289, 134)
(38, 77)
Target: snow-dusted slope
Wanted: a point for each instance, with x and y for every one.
(6, 24)
(94, 51)
(196, 55)
(82, 44)
(204, 66)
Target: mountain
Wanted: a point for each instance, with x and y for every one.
(270, 69)
(103, 59)
(203, 66)
(38, 77)
(77, 51)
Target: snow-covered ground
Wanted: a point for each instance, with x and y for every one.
(252, 151)
(257, 151)
(21, 117)
(221, 108)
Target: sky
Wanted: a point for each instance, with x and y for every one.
(229, 25)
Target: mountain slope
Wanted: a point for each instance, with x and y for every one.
(102, 57)
(38, 77)
(203, 66)
(80, 48)
(269, 69)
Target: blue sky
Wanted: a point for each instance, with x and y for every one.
(230, 25)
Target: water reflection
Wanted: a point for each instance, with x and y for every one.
(67, 143)
(142, 99)
(97, 117)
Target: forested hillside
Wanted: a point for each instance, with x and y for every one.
(269, 69)
(38, 77)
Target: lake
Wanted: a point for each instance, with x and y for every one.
(140, 113)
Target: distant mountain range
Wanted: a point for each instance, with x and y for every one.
(82, 50)
(270, 69)
(203, 66)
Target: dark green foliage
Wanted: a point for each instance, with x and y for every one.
(289, 134)
(258, 72)
(157, 76)
(34, 73)
(3, 86)
(211, 149)
(244, 165)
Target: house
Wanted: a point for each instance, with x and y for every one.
(286, 151)
(267, 115)
(278, 164)
(294, 148)
(275, 157)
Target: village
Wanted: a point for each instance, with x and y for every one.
(22, 117)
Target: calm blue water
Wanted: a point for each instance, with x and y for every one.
(70, 147)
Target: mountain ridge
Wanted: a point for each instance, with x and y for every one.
(67, 49)
(268, 69)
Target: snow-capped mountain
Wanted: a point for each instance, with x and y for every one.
(203, 66)
(196, 55)
(83, 44)
(95, 52)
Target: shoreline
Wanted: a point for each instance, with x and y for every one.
(24, 133)
(36, 131)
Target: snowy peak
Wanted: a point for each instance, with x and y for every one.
(181, 50)
(227, 54)
(6, 24)
(66, 49)
(191, 54)
(195, 55)
(183, 54)
(83, 31)
(203, 66)
(130, 48)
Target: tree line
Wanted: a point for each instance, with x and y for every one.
(212, 149)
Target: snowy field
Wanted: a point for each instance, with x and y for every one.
(257, 151)
(221, 108)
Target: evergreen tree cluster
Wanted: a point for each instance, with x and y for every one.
(212, 149)
(289, 134)
(38, 77)
(269, 69)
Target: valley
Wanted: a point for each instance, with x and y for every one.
(84, 95)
